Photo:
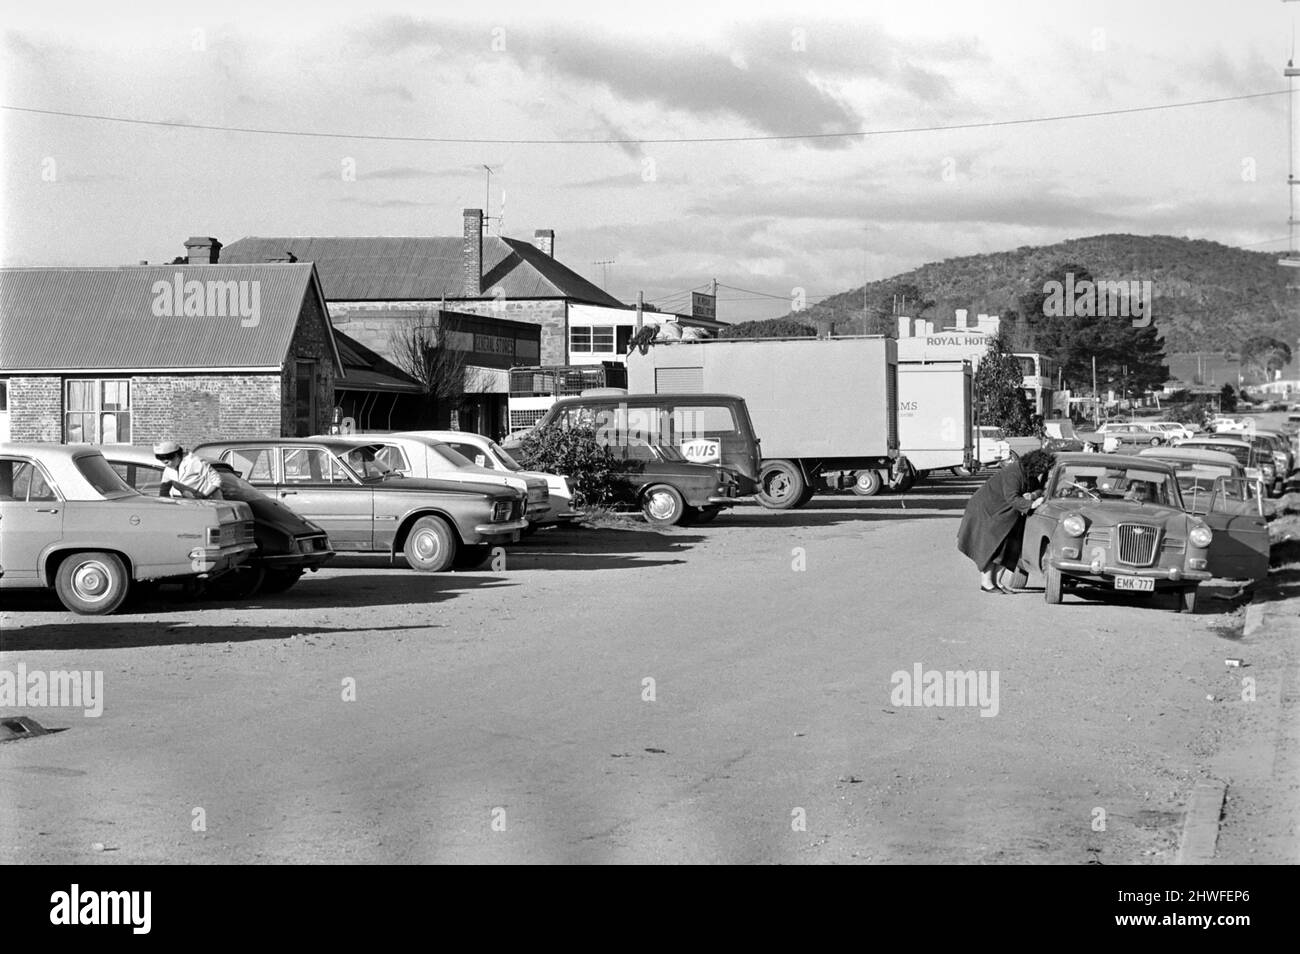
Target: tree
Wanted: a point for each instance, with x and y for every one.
(771, 328)
(1227, 399)
(1264, 355)
(999, 391)
(421, 349)
(1127, 357)
(592, 471)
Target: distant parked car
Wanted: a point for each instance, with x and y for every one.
(1133, 436)
(1116, 523)
(287, 545)
(436, 524)
(992, 449)
(1171, 429)
(485, 452)
(1264, 455)
(67, 520)
(428, 458)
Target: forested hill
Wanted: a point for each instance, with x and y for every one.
(1208, 297)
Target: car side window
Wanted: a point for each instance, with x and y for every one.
(310, 465)
(143, 478)
(22, 480)
(392, 457)
(253, 463)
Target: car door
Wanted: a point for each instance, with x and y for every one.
(1239, 550)
(315, 485)
(31, 517)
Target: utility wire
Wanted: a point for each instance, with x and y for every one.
(993, 124)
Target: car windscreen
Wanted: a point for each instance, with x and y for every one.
(234, 487)
(101, 476)
(1108, 482)
(365, 461)
(510, 462)
(1240, 452)
(451, 456)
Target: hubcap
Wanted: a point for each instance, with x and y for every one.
(779, 486)
(90, 581)
(866, 482)
(426, 545)
(662, 506)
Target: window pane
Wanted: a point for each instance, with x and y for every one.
(115, 396)
(602, 339)
(81, 395)
(4, 396)
(580, 339)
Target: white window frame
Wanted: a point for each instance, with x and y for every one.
(97, 414)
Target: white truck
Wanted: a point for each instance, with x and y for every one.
(824, 409)
(935, 418)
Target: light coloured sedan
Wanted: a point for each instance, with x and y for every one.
(430, 459)
(485, 452)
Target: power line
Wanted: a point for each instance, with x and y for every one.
(992, 124)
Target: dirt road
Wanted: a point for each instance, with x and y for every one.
(722, 693)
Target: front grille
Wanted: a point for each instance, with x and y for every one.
(1137, 544)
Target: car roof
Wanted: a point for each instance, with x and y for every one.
(1212, 441)
(692, 398)
(361, 440)
(333, 442)
(1189, 453)
(1117, 460)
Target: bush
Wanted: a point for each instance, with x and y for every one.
(574, 452)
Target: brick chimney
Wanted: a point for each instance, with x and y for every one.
(202, 250)
(545, 240)
(471, 284)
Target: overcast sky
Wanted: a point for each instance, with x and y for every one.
(817, 213)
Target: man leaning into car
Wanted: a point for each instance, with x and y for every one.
(186, 475)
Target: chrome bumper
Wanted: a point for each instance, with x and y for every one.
(1173, 574)
(497, 529)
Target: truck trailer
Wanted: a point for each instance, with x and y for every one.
(936, 416)
(825, 409)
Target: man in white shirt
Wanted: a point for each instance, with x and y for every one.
(185, 475)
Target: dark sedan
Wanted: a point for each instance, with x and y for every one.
(287, 545)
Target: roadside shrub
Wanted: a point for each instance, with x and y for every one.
(574, 452)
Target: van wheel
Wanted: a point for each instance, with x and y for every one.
(430, 546)
(781, 485)
(92, 583)
(663, 506)
(867, 483)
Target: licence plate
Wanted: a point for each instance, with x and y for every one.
(1139, 583)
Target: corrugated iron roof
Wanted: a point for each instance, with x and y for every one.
(90, 319)
(421, 268)
(366, 370)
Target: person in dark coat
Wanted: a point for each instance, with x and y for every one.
(994, 521)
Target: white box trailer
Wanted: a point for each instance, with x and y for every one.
(824, 409)
(936, 416)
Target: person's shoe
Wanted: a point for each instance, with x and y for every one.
(993, 589)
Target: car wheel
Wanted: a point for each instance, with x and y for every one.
(781, 485)
(1187, 599)
(702, 514)
(430, 546)
(277, 581)
(1155, 442)
(92, 583)
(1052, 585)
(867, 483)
(239, 584)
(663, 506)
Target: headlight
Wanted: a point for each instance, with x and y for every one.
(1200, 536)
(1074, 525)
(501, 511)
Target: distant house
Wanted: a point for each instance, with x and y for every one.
(375, 284)
(138, 354)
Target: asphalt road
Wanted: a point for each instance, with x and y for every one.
(506, 715)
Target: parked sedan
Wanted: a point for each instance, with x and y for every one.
(428, 458)
(1115, 523)
(485, 452)
(1257, 458)
(1215, 487)
(67, 520)
(436, 524)
(287, 544)
(1132, 436)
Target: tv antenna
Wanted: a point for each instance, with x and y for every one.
(604, 271)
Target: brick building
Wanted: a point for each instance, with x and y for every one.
(137, 354)
(371, 284)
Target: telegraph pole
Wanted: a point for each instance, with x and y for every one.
(1292, 258)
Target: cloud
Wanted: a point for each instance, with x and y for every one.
(408, 174)
(396, 91)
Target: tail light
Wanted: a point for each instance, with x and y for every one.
(214, 536)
